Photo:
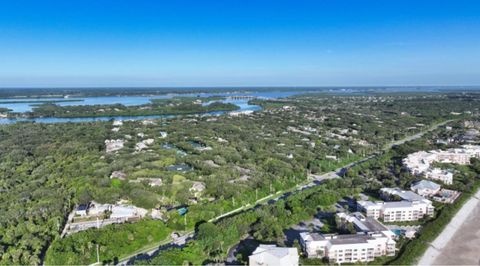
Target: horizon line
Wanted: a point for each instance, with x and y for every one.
(241, 87)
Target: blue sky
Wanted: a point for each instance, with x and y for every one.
(239, 43)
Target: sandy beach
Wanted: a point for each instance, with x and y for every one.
(459, 243)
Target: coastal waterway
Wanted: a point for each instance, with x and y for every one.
(22, 105)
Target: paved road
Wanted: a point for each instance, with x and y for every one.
(317, 180)
(416, 136)
(81, 226)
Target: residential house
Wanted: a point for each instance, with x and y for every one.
(425, 188)
(81, 210)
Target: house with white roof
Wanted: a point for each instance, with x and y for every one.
(365, 224)
(407, 195)
(425, 188)
(97, 209)
(271, 255)
(126, 212)
(81, 210)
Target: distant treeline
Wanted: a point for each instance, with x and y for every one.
(85, 92)
(157, 107)
(41, 102)
(82, 92)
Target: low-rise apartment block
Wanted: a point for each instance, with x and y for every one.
(372, 240)
(420, 163)
(444, 176)
(347, 248)
(396, 211)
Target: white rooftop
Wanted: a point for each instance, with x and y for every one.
(271, 255)
(403, 194)
(425, 184)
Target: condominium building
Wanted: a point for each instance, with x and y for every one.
(458, 155)
(396, 211)
(406, 211)
(347, 248)
(444, 176)
(371, 209)
(420, 163)
(372, 240)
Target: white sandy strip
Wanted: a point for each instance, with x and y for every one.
(436, 247)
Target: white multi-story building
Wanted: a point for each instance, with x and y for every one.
(397, 211)
(458, 155)
(271, 255)
(347, 248)
(439, 174)
(372, 240)
(371, 209)
(406, 211)
(420, 163)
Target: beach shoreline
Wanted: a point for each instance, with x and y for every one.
(438, 253)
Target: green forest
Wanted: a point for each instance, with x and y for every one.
(48, 169)
(173, 106)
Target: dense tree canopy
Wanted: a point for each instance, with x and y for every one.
(46, 169)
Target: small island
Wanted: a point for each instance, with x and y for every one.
(173, 106)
